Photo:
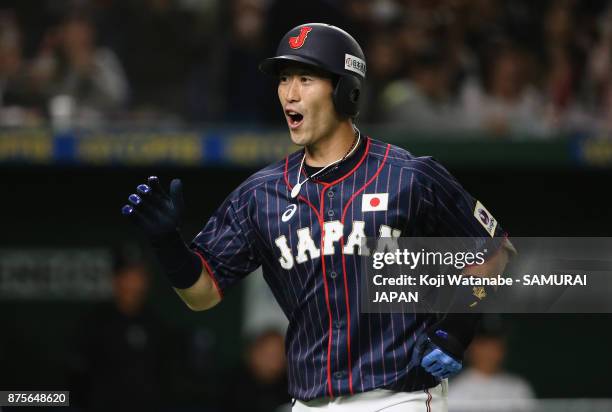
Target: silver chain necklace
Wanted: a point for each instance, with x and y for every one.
(298, 185)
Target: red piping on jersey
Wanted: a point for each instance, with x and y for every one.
(346, 295)
(329, 340)
(361, 189)
(348, 313)
(365, 153)
(322, 245)
(285, 176)
(211, 273)
(325, 286)
(428, 401)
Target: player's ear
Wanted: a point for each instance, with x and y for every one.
(347, 93)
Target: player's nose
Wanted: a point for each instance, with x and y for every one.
(292, 91)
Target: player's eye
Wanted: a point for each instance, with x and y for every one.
(283, 78)
(306, 79)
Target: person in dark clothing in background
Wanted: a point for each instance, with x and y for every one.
(121, 348)
(260, 385)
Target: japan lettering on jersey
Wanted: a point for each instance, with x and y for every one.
(310, 247)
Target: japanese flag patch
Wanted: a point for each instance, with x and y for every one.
(374, 202)
(485, 218)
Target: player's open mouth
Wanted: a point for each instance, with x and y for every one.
(294, 119)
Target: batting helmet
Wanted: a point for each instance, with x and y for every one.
(331, 49)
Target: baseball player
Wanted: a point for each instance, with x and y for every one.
(302, 219)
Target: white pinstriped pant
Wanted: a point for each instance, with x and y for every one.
(382, 400)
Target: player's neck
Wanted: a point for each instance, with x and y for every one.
(331, 148)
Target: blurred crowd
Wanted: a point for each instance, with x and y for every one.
(526, 68)
(124, 357)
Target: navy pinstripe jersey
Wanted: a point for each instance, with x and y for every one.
(309, 252)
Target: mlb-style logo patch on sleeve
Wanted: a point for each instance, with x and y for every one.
(485, 218)
(374, 202)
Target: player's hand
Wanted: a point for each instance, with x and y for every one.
(154, 211)
(434, 359)
(440, 364)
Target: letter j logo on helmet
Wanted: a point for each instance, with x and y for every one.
(296, 42)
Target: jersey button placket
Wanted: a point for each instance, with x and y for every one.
(336, 285)
(330, 195)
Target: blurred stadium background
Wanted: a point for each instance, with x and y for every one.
(514, 97)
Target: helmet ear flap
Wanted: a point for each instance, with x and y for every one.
(347, 95)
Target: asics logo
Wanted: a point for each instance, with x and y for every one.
(289, 212)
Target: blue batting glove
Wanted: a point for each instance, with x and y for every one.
(154, 211)
(440, 364)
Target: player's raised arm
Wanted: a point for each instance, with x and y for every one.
(158, 215)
